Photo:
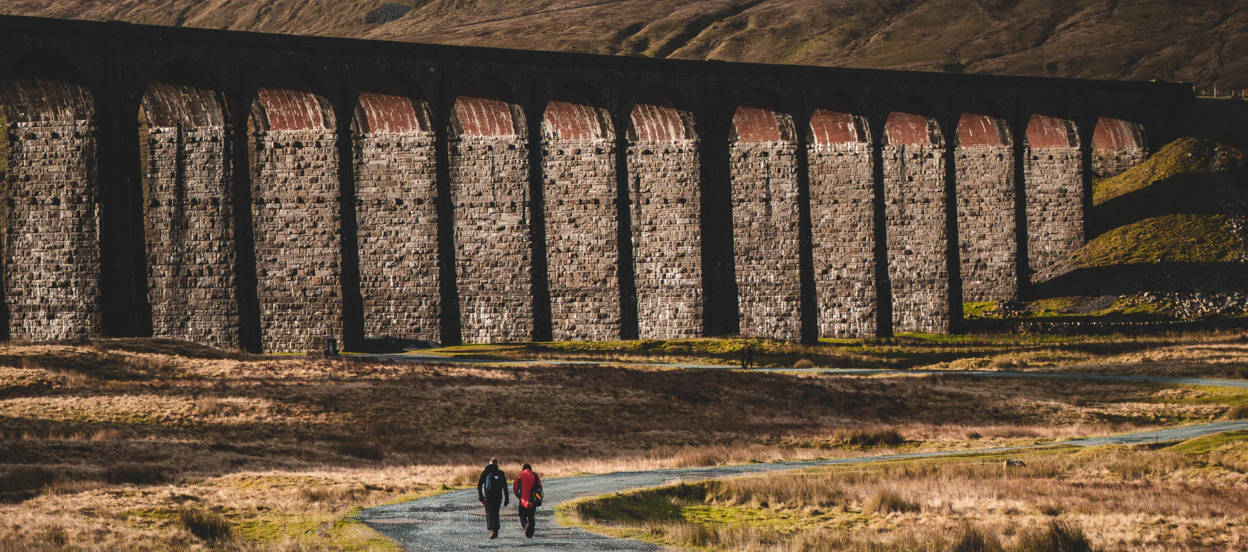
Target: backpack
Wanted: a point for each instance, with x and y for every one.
(494, 483)
(536, 499)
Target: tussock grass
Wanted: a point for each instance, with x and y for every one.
(138, 473)
(18, 482)
(1060, 500)
(1237, 412)
(888, 502)
(973, 539)
(366, 451)
(205, 524)
(1057, 536)
(866, 438)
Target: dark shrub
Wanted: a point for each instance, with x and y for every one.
(870, 438)
(137, 473)
(21, 482)
(206, 525)
(366, 451)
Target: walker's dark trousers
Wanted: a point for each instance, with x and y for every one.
(528, 518)
(491, 514)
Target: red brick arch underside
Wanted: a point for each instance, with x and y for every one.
(170, 105)
(1044, 131)
(982, 130)
(1116, 134)
(571, 120)
(757, 124)
(910, 129)
(829, 127)
(382, 113)
(31, 99)
(655, 122)
(478, 116)
(290, 109)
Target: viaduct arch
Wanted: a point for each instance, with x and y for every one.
(188, 209)
(268, 192)
(396, 192)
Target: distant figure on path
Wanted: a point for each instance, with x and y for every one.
(747, 357)
(528, 489)
(492, 493)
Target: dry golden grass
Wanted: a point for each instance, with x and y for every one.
(108, 444)
(1141, 40)
(1216, 355)
(1192, 496)
(1211, 354)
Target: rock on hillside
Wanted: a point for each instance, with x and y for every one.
(1200, 41)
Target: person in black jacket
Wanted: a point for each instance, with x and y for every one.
(492, 493)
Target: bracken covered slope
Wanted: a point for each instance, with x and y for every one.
(1199, 41)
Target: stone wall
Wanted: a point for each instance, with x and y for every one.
(984, 161)
(582, 224)
(666, 201)
(1117, 145)
(918, 248)
(51, 255)
(766, 245)
(1055, 196)
(296, 221)
(397, 217)
(188, 215)
(1110, 162)
(842, 225)
(490, 192)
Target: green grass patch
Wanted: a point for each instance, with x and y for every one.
(1208, 394)
(1188, 238)
(340, 531)
(1069, 307)
(980, 309)
(1210, 443)
(633, 514)
(1185, 156)
(475, 350)
(910, 350)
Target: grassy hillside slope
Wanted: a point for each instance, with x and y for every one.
(1181, 205)
(1202, 41)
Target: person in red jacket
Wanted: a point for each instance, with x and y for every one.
(523, 488)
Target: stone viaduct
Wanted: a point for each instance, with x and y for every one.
(265, 192)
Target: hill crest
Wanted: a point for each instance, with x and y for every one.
(1204, 42)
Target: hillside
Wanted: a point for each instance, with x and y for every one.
(1201, 41)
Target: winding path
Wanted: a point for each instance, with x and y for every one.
(454, 521)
